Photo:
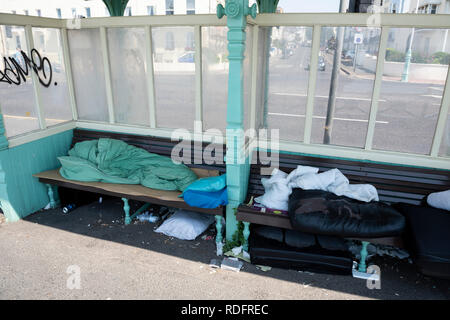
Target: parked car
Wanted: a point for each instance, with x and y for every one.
(349, 54)
(320, 64)
(188, 57)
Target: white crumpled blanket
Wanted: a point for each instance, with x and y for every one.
(279, 186)
(440, 200)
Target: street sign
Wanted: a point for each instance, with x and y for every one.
(358, 38)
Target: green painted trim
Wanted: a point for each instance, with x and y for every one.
(141, 209)
(246, 234)
(362, 263)
(116, 8)
(21, 194)
(219, 229)
(126, 209)
(267, 6)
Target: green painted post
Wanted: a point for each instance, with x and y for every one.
(219, 229)
(126, 209)
(362, 263)
(237, 168)
(267, 6)
(51, 196)
(116, 8)
(246, 234)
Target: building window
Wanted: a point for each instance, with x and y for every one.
(74, 12)
(394, 8)
(433, 8)
(88, 12)
(170, 41)
(128, 11)
(150, 10)
(190, 6)
(169, 7)
(38, 12)
(58, 13)
(190, 41)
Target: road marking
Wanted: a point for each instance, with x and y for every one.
(325, 97)
(31, 118)
(321, 117)
(432, 95)
(436, 88)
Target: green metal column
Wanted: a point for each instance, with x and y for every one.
(236, 162)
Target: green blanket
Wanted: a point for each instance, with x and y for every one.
(114, 161)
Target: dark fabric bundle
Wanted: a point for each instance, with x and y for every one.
(322, 212)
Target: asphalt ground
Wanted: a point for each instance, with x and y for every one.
(40, 255)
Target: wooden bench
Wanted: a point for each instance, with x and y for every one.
(394, 183)
(128, 192)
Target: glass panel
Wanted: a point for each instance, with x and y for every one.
(174, 66)
(444, 150)
(349, 121)
(128, 75)
(411, 90)
(17, 102)
(88, 74)
(215, 77)
(288, 72)
(247, 75)
(55, 98)
(260, 77)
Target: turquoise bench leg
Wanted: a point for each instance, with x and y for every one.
(219, 229)
(246, 234)
(126, 209)
(53, 196)
(362, 263)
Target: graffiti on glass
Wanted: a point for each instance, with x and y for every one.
(16, 68)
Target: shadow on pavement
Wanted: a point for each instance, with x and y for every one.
(105, 221)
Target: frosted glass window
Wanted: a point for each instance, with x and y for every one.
(445, 144)
(128, 75)
(215, 77)
(174, 68)
(247, 76)
(288, 73)
(410, 98)
(349, 122)
(17, 102)
(55, 97)
(88, 74)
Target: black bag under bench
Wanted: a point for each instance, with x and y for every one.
(312, 258)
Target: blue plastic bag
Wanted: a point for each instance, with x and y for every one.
(208, 200)
(209, 184)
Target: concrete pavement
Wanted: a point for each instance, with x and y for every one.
(134, 262)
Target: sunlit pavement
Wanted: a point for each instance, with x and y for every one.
(38, 256)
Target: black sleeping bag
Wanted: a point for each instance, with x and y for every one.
(322, 212)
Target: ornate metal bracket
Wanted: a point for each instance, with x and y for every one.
(232, 9)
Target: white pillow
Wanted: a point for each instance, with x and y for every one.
(185, 225)
(440, 200)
